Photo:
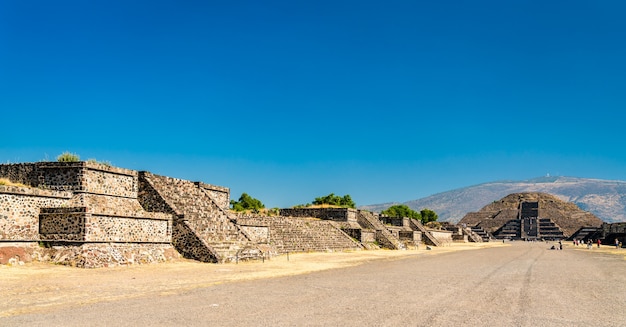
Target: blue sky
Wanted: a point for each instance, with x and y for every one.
(291, 100)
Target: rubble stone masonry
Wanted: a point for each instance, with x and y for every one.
(19, 210)
(80, 206)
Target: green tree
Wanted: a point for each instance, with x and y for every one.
(402, 210)
(428, 216)
(246, 202)
(336, 200)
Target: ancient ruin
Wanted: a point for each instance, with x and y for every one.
(531, 216)
(87, 214)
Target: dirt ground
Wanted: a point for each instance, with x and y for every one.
(37, 287)
(513, 284)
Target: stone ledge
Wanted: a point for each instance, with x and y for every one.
(87, 165)
(33, 191)
(213, 187)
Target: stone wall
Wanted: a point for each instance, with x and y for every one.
(19, 211)
(293, 234)
(258, 234)
(83, 209)
(98, 255)
(62, 224)
(441, 235)
(101, 228)
(219, 194)
(74, 176)
(336, 214)
(190, 245)
(24, 173)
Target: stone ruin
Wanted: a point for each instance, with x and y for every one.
(531, 216)
(87, 214)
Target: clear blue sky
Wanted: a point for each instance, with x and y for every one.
(291, 100)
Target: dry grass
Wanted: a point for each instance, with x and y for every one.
(7, 182)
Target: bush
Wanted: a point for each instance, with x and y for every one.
(68, 157)
(246, 202)
(335, 200)
(401, 210)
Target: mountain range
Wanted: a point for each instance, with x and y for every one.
(604, 198)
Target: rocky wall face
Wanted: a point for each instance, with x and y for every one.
(77, 224)
(98, 255)
(221, 199)
(368, 236)
(99, 228)
(189, 245)
(59, 178)
(19, 173)
(149, 198)
(442, 236)
(219, 194)
(105, 182)
(257, 234)
(19, 211)
(336, 214)
(115, 206)
(74, 176)
(62, 224)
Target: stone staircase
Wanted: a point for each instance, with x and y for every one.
(584, 233)
(291, 234)
(202, 230)
(549, 229)
(511, 230)
(471, 235)
(427, 237)
(370, 220)
(482, 233)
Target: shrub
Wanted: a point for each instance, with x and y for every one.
(246, 202)
(335, 200)
(68, 157)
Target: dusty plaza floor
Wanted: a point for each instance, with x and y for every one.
(512, 284)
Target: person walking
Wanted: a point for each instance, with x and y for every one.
(599, 242)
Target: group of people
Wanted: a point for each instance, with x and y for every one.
(590, 243)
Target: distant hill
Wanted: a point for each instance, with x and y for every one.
(604, 198)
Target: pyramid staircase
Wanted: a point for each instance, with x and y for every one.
(471, 235)
(482, 233)
(584, 233)
(370, 220)
(202, 230)
(512, 229)
(290, 234)
(427, 237)
(549, 229)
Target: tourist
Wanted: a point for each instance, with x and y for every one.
(560, 245)
(589, 246)
(616, 243)
(599, 242)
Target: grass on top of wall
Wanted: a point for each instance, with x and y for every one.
(7, 182)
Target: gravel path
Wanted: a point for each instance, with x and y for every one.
(524, 284)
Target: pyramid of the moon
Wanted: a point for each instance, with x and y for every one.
(531, 216)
